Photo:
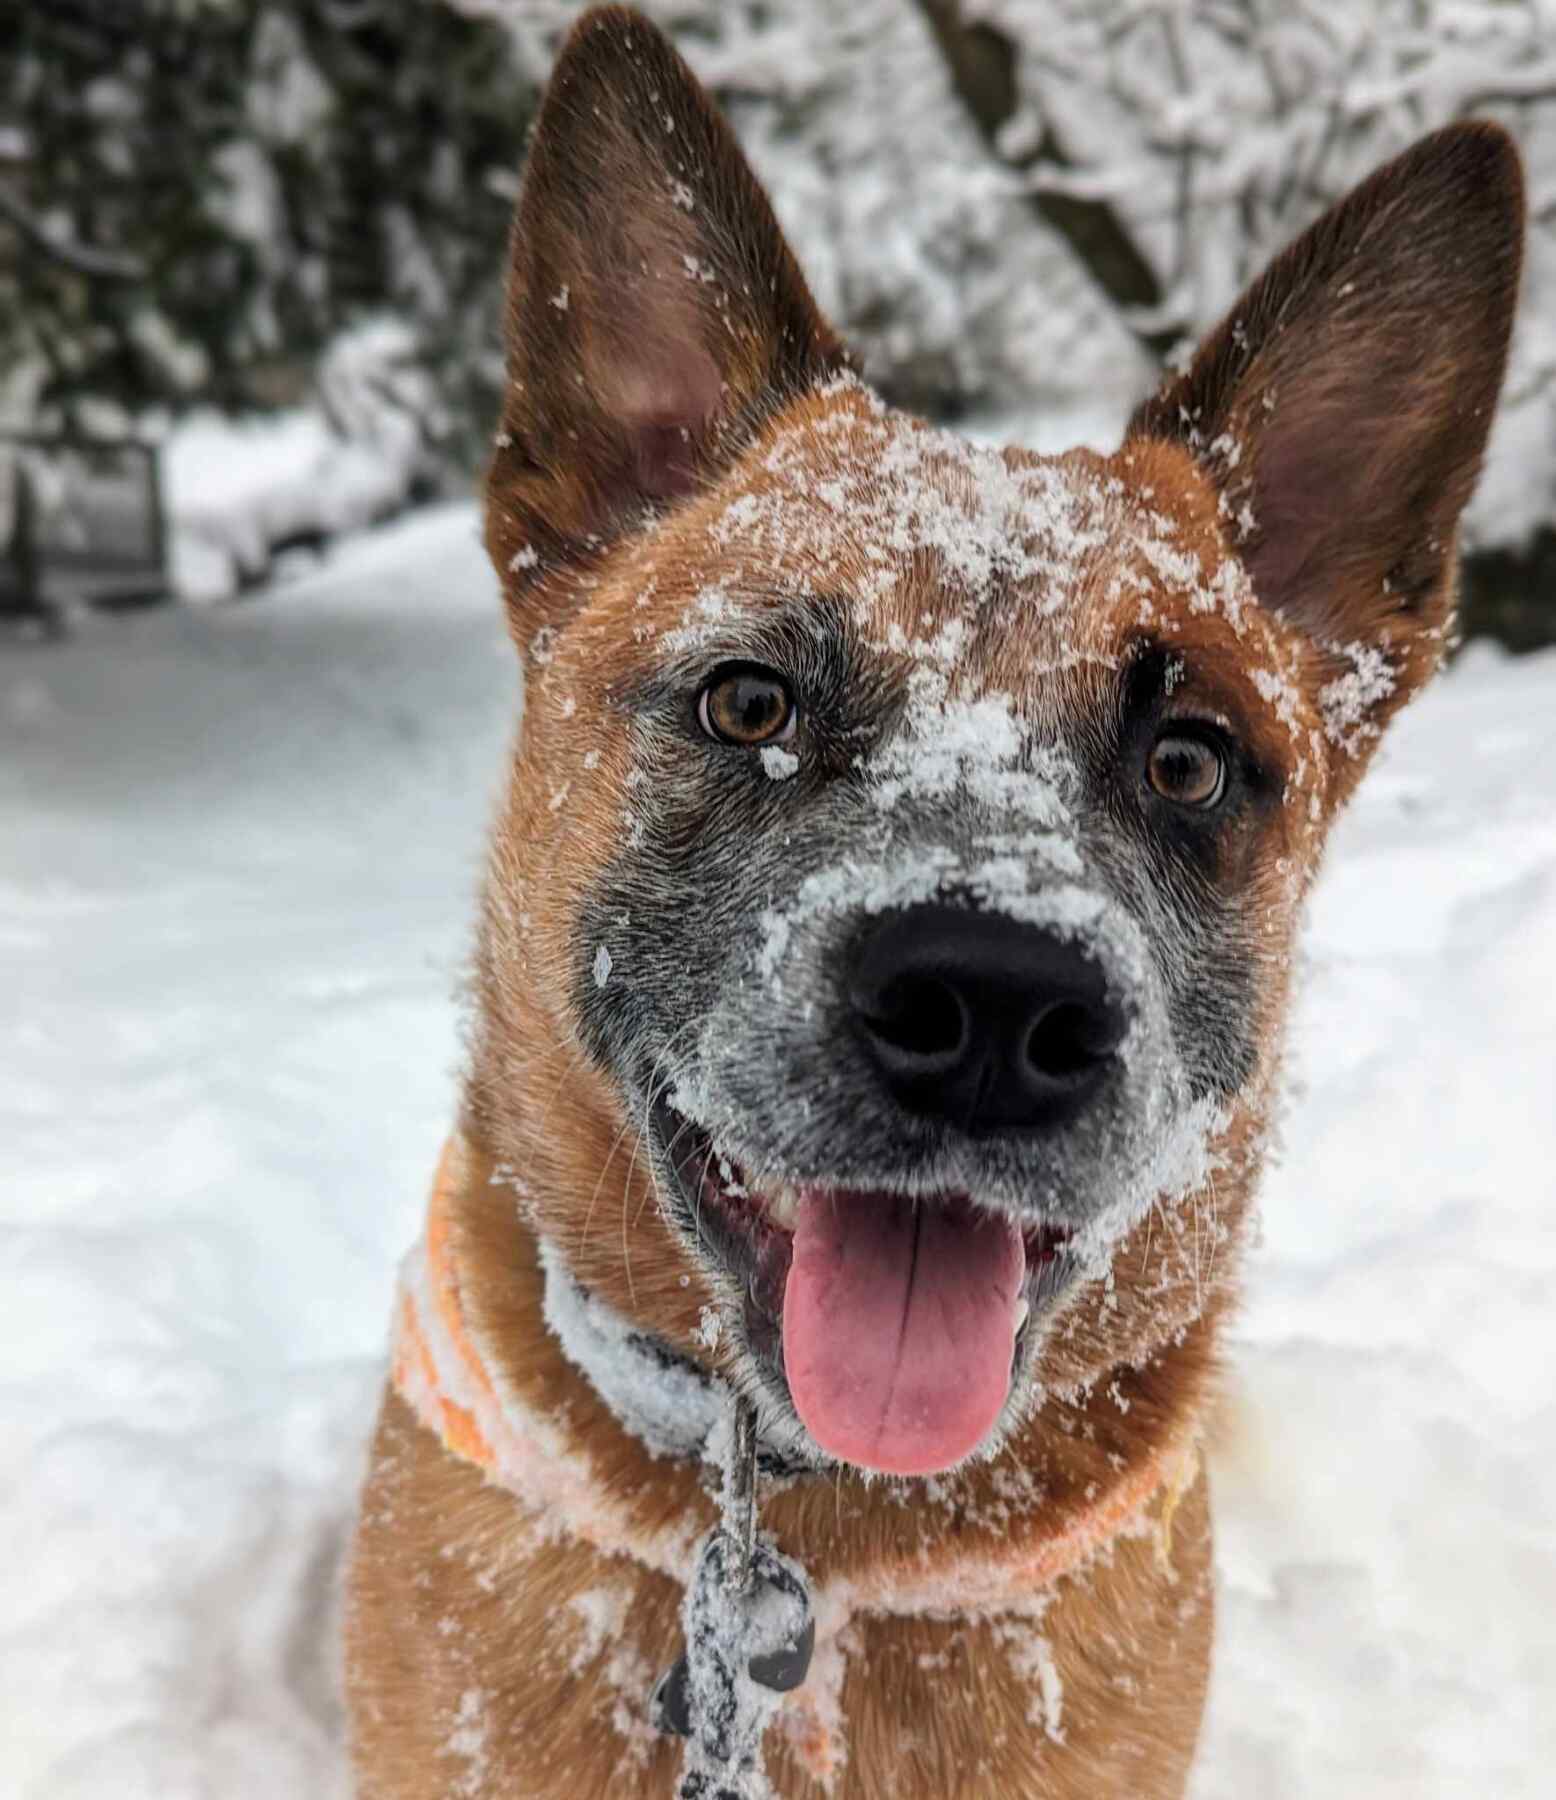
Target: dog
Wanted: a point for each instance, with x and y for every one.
(880, 980)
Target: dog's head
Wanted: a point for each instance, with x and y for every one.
(890, 924)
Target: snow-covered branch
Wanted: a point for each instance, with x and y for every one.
(80, 259)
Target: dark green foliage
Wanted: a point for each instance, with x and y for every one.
(1510, 594)
(197, 195)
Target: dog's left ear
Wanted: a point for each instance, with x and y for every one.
(655, 312)
(1342, 405)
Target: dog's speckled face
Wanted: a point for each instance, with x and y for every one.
(892, 916)
(955, 868)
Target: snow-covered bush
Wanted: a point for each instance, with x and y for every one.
(913, 237)
(239, 490)
(198, 196)
(1011, 207)
(1217, 129)
(1024, 204)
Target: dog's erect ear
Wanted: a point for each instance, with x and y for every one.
(1342, 406)
(655, 312)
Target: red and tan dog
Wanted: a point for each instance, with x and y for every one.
(881, 976)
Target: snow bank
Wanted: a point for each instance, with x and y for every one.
(236, 490)
(244, 846)
(1386, 1502)
(242, 854)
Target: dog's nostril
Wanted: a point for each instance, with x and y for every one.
(921, 1015)
(1071, 1038)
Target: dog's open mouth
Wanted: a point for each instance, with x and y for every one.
(896, 1323)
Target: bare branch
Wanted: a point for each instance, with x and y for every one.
(82, 259)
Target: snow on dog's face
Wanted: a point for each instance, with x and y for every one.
(889, 931)
(953, 884)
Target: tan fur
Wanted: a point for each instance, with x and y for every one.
(473, 1669)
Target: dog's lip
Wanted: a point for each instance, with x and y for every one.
(750, 1234)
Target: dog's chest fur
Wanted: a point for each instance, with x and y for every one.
(507, 1662)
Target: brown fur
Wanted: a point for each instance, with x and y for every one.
(454, 1591)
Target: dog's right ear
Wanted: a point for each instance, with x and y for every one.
(1342, 406)
(655, 313)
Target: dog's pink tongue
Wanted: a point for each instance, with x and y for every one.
(898, 1327)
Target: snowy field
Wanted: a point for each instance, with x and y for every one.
(241, 847)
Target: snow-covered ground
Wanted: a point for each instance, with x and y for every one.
(240, 850)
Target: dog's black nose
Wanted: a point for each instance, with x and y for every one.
(984, 1021)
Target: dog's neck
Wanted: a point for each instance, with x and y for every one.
(574, 1435)
(603, 1438)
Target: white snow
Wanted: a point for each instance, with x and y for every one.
(236, 490)
(601, 1613)
(777, 763)
(242, 849)
(1386, 1504)
(971, 746)
(1032, 1657)
(467, 1742)
(1348, 700)
(669, 1407)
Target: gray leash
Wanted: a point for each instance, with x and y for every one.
(749, 1637)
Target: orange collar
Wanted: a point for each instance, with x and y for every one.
(442, 1370)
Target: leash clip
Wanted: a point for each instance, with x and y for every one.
(749, 1639)
(740, 1495)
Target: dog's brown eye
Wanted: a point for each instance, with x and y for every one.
(1190, 771)
(748, 706)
